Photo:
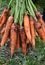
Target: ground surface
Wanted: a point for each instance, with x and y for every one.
(34, 57)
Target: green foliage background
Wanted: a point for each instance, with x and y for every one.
(40, 3)
(3, 3)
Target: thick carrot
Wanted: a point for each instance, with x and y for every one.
(13, 37)
(32, 32)
(27, 27)
(40, 31)
(23, 40)
(7, 29)
(4, 17)
(2, 32)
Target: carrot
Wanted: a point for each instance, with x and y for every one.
(13, 38)
(32, 32)
(7, 29)
(3, 20)
(39, 17)
(2, 32)
(40, 30)
(18, 41)
(23, 40)
(4, 17)
(18, 37)
(27, 27)
(4, 38)
(40, 20)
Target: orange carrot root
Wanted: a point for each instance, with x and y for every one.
(39, 17)
(18, 38)
(27, 27)
(23, 40)
(32, 32)
(18, 42)
(13, 37)
(40, 31)
(41, 20)
(4, 17)
(7, 29)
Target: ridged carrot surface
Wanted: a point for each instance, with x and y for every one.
(13, 38)
(23, 40)
(7, 29)
(32, 32)
(40, 31)
(27, 27)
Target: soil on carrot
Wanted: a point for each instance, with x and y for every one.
(34, 57)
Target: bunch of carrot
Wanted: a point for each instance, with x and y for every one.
(20, 23)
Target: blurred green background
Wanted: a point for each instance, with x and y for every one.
(3, 3)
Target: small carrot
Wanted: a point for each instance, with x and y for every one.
(7, 29)
(2, 32)
(40, 20)
(13, 37)
(4, 17)
(39, 17)
(27, 27)
(9, 22)
(23, 40)
(32, 32)
(40, 30)
(18, 41)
